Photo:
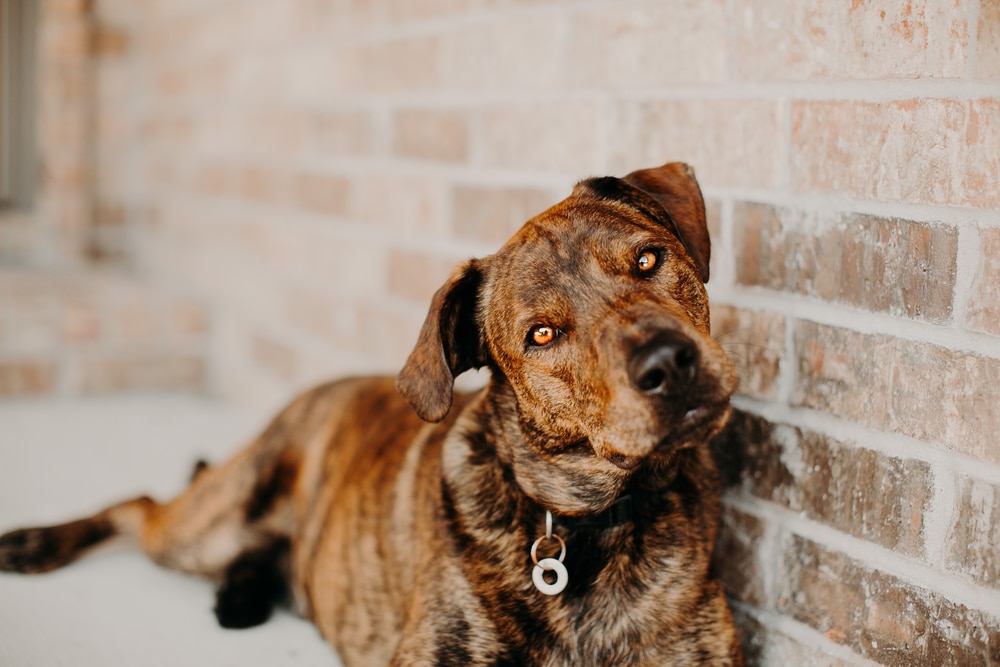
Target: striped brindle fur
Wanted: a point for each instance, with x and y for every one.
(398, 516)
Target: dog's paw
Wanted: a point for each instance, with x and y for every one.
(252, 585)
(244, 604)
(29, 551)
(34, 550)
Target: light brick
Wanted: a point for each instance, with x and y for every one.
(881, 264)
(492, 215)
(188, 318)
(935, 151)
(984, 301)
(884, 618)
(416, 276)
(858, 491)
(875, 39)
(755, 342)
(411, 204)
(27, 378)
(972, 543)
(649, 45)
(713, 135)
(108, 373)
(342, 132)
(561, 136)
(888, 383)
(737, 557)
(432, 135)
(81, 321)
(277, 358)
(988, 47)
(413, 10)
(501, 55)
(402, 64)
(322, 193)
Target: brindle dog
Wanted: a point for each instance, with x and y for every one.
(401, 519)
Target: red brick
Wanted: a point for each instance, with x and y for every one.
(984, 301)
(431, 135)
(971, 546)
(880, 616)
(755, 342)
(27, 378)
(710, 134)
(544, 135)
(889, 383)
(881, 264)
(492, 215)
(893, 151)
(649, 45)
(830, 481)
(874, 39)
(764, 645)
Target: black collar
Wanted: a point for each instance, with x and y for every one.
(620, 512)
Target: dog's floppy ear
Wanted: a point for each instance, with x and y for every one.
(449, 344)
(674, 187)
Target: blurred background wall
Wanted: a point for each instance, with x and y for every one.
(247, 197)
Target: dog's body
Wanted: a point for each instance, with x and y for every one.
(402, 521)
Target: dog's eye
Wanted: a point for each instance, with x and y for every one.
(542, 335)
(647, 261)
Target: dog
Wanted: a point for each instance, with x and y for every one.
(564, 514)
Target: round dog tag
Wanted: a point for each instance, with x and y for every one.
(562, 576)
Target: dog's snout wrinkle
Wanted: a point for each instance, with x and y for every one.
(665, 365)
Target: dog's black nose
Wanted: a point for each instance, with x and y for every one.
(665, 364)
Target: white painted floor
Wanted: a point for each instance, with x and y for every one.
(63, 458)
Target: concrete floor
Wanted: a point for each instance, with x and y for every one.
(62, 458)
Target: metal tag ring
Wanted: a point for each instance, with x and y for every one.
(562, 552)
(550, 564)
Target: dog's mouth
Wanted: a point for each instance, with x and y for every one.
(694, 425)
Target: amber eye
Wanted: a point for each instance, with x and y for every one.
(542, 335)
(647, 261)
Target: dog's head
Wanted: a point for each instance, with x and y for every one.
(594, 322)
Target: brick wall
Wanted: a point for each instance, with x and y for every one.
(314, 168)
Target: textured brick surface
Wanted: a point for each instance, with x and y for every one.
(140, 371)
(653, 45)
(432, 135)
(738, 557)
(988, 48)
(887, 265)
(984, 301)
(492, 215)
(880, 39)
(755, 342)
(861, 492)
(881, 616)
(974, 536)
(727, 154)
(551, 136)
(882, 382)
(894, 150)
